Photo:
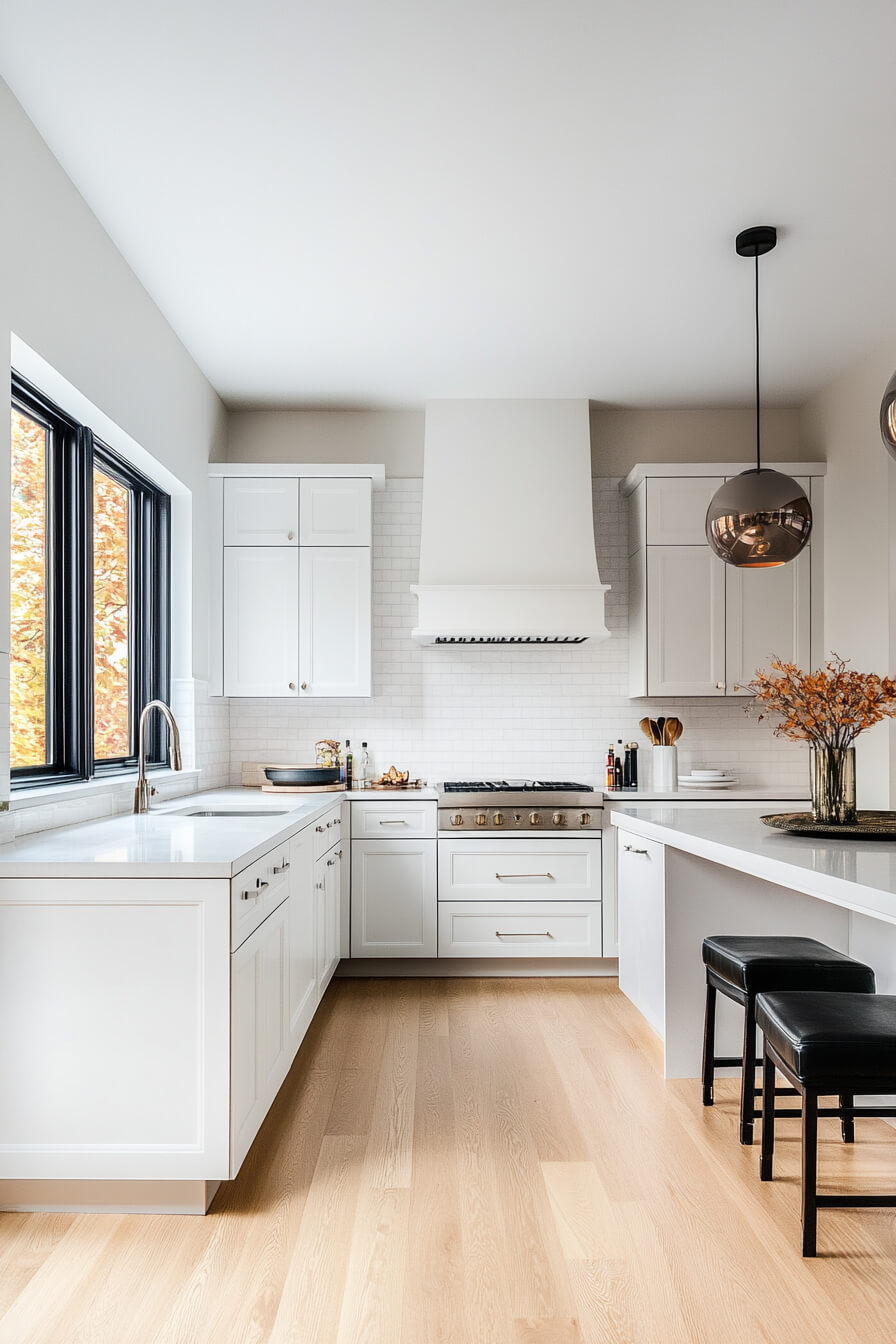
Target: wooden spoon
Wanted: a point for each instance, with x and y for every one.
(674, 730)
(646, 726)
(661, 731)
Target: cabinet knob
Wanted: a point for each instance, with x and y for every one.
(720, 685)
(290, 536)
(304, 685)
(292, 685)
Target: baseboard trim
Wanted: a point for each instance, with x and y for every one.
(472, 968)
(34, 1196)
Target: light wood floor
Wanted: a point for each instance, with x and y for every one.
(476, 1161)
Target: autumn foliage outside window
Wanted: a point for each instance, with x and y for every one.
(89, 598)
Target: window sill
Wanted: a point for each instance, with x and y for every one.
(123, 783)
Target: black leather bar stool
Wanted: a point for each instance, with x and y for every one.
(826, 1044)
(742, 967)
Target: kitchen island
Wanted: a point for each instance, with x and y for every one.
(685, 873)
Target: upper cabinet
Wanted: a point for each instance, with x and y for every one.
(290, 580)
(699, 627)
(259, 512)
(334, 513)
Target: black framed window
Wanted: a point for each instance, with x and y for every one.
(90, 576)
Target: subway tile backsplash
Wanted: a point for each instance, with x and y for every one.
(474, 712)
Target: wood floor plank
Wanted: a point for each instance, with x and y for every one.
(390, 1145)
(583, 1215)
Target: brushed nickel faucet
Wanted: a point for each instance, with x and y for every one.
(144, 791)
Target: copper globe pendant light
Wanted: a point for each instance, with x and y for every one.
(888, 417)
(760, 518)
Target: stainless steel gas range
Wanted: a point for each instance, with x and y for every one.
(556, 807)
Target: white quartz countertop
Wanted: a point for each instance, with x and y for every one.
(166, 843)
(708, 795)
(856, 874)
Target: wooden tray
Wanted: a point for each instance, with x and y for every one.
(869, 826)
(302, 788)
(394, 788)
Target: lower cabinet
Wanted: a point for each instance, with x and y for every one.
(277, 977)
(640, 895)
(393, 898)
(259, 1044)
(327, 889)
(303, 992)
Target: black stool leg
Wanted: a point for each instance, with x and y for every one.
(767, 1150)
(847, 1123)
(810, 1166)
(748, 1076)
(709, 1044)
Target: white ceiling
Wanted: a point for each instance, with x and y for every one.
(349, 202)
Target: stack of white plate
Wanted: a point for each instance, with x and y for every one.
(707, 779)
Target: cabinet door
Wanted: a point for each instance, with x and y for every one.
(303, 993)
(393, 898)
(640, 888)
(259, 1049)
(261, 620)
(685, 621)
(676, 509)
(333, 910)
(334, 512)
(334, 635)
(767, 614)
(261, 512)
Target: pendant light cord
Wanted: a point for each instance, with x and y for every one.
(756, 262)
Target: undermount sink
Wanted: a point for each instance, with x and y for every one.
(228, 812)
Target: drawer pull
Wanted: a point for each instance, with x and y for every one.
(282, 869)
(397, 822)
(546, 934)
(260, 884)
(502, 876)
(320, 829)
(247, 895)
(631, 849)
(330, 862)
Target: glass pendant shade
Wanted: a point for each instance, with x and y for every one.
(758, 519)
(888, 417)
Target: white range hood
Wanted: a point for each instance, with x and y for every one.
(507, 547)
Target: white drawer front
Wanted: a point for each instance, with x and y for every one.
(520, 929)
(393, 820)
(327, 831)
(256, 891)
(517, 869)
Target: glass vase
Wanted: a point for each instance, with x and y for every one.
(834, 785)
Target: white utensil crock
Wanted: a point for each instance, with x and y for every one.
(665, 769)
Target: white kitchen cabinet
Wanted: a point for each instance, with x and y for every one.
(261, 621)
(768, 613)
(519, 929)
(685, 621)
(640, 896)
(393, 898)
(328, 896)
(261, 512)
(334, 621)
(676, 509)
(260, 1054)
(334, 512)
(699, 627)
(303, 992)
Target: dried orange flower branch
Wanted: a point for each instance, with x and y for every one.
(828, 708)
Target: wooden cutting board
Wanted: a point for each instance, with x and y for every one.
(267, 787)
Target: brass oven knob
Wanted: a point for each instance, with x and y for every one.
(480, 818)
(457, 820)
(559, 819)
(498, 819)
(585, 819)
(534, 818)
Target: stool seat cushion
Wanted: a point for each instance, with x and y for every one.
(830, 1038)
(757, 964)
